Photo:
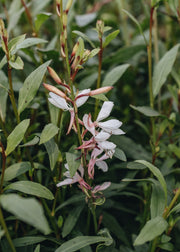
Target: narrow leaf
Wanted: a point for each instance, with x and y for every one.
(31, 188)
(49, 131)
(73, 163)
(114, 75)
(34, 141)
(28, 210)
(101, 97)
(163, 68)
(80, 242)
(151, 230)
(147, 111)
(16, 136)
(31, 86)
(53, 152)
(110, 37)
(15, 41)
(71, 220)
(156, 173)
(83, 20)
(40, 19)
(85, 37)
(28, 43)
(28, 240)
(3, 95)
(16, 170)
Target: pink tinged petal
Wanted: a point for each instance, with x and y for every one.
(58, 101)
(82, 97)
(89, 125)
(91, 168)
(68, 181)
(83, 184)
(105, 110)
(96, 152)
(104, 157)
(102, 187)
(110, 124)
(102, 165)
(106, 145)
(71, 120)
(102, 136)
(81, 169)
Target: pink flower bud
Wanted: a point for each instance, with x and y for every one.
(100, 90)
(55, 90)
(54, 75)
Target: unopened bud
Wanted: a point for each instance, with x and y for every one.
(55, 90)
(54, 75)
(1, 27)
(58, 4)
(100, 90)
(65, 19)
(75, 48)
(68, 5)
(100, 27)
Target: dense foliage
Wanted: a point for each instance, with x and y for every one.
(89, 125)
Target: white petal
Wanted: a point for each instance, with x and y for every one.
(89, 124)
(106, 145)
(58, 101)
(110, 124)
(102, 136)
(66, 182)
(80, 101)
(102, 187)
(102, 165)
(96, 152)
(118, 132)
(105, 110)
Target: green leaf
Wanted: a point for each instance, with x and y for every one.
(3, 62)
(16, 170)
(14, 13)
(85, 37)
(147, 111)
(174, 149)
(28, 210)
(110, 37)
(137, 23)
(31, 86)
(114, 75)
(3, 95)
(40, 19)
(77, 198)
(16, 136)
(88, 81)
(17, 64)
(28, 240)
(163, 68)
(32, 142)
(158, 200)
(101, 97)
(167, 246)
(156, 173)
(49, 131)
(15, 41)
(94, 52)
(73, 163)
(28, 43)
(83, 20)
(71, 220)
(53, 152)
(120, 154)
(80, 242)
(31, 188)
(37, 249)
(176, 209)
(151, 230)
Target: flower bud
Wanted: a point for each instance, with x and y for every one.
(54, 75)
(100, 27)
(68, 5)
(1, 27)
(100, 90)
(55, 90)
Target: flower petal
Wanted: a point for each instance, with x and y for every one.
(89, 125)
(102, 187)
(82, 99)
(106, 145)
(105, 110)
(102, 165)
(67, 182)
(58, 101)
(102, 136)
(110, 124)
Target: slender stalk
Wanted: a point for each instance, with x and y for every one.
(29, 17)
(94, 219)
(176, 196)
(3, 167)
(3, 224)
(98, 85)
(154, 244)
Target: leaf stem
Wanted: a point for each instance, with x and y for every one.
(177, 194)
(3, 224)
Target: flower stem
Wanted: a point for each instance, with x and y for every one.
(3, 224)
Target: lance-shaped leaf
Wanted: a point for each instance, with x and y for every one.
(114, 75)
(82, 241)
(3, 95)
(73, 163)
(163, 68)
(147, 111)
(85, 37)
(156, 173)
(16, 136)
(151, 230)
(31, 188)
(17, 64)
(31, 86)
(48, 132)
(110, 37)
(40, 19)
(16, 170)
(53, 152)
(28, 240)
(28, 210)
